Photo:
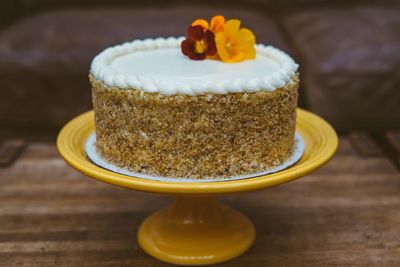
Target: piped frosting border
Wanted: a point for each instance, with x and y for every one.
(101, 70)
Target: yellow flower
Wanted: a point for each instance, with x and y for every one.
(235, 44)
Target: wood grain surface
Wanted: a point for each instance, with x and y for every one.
(345, 214)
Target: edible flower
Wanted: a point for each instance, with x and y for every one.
(235, 44)
(199, 43)
(219, 39)
(216, 24)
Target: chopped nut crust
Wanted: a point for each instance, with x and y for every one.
(211, 135)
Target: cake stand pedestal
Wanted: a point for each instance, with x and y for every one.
(196, 229)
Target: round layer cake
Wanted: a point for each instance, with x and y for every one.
(159, 113)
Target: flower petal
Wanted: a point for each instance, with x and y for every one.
(245, 35)
(217, 23)
(187, 46)
(210, 40)
(248, 52)
(232, 26)
(202, 22)
(195, 32)
(235, 58)
(246, 42)
(223, 52)
(195, 56)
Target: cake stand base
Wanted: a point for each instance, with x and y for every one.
(196, 231)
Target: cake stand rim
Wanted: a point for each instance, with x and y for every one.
(321, 142)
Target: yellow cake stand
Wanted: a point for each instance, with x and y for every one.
(196, 229)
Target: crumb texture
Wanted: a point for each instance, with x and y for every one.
(194, 136)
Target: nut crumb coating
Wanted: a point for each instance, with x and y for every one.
(203, 136)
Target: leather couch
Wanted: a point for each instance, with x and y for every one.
(349, 53)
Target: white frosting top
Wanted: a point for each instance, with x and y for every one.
(158, 66)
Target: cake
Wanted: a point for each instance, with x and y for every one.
(187, 108)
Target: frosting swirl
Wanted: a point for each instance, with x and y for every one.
(157, 66)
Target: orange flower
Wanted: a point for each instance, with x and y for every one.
(235, 44)
(202, 22)
(216, 24)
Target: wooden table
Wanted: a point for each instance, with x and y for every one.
(346, 214)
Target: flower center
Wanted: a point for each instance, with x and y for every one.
(229, 47)
(199, 47)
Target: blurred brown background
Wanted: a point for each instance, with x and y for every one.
(346, 214)
(349, 53)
